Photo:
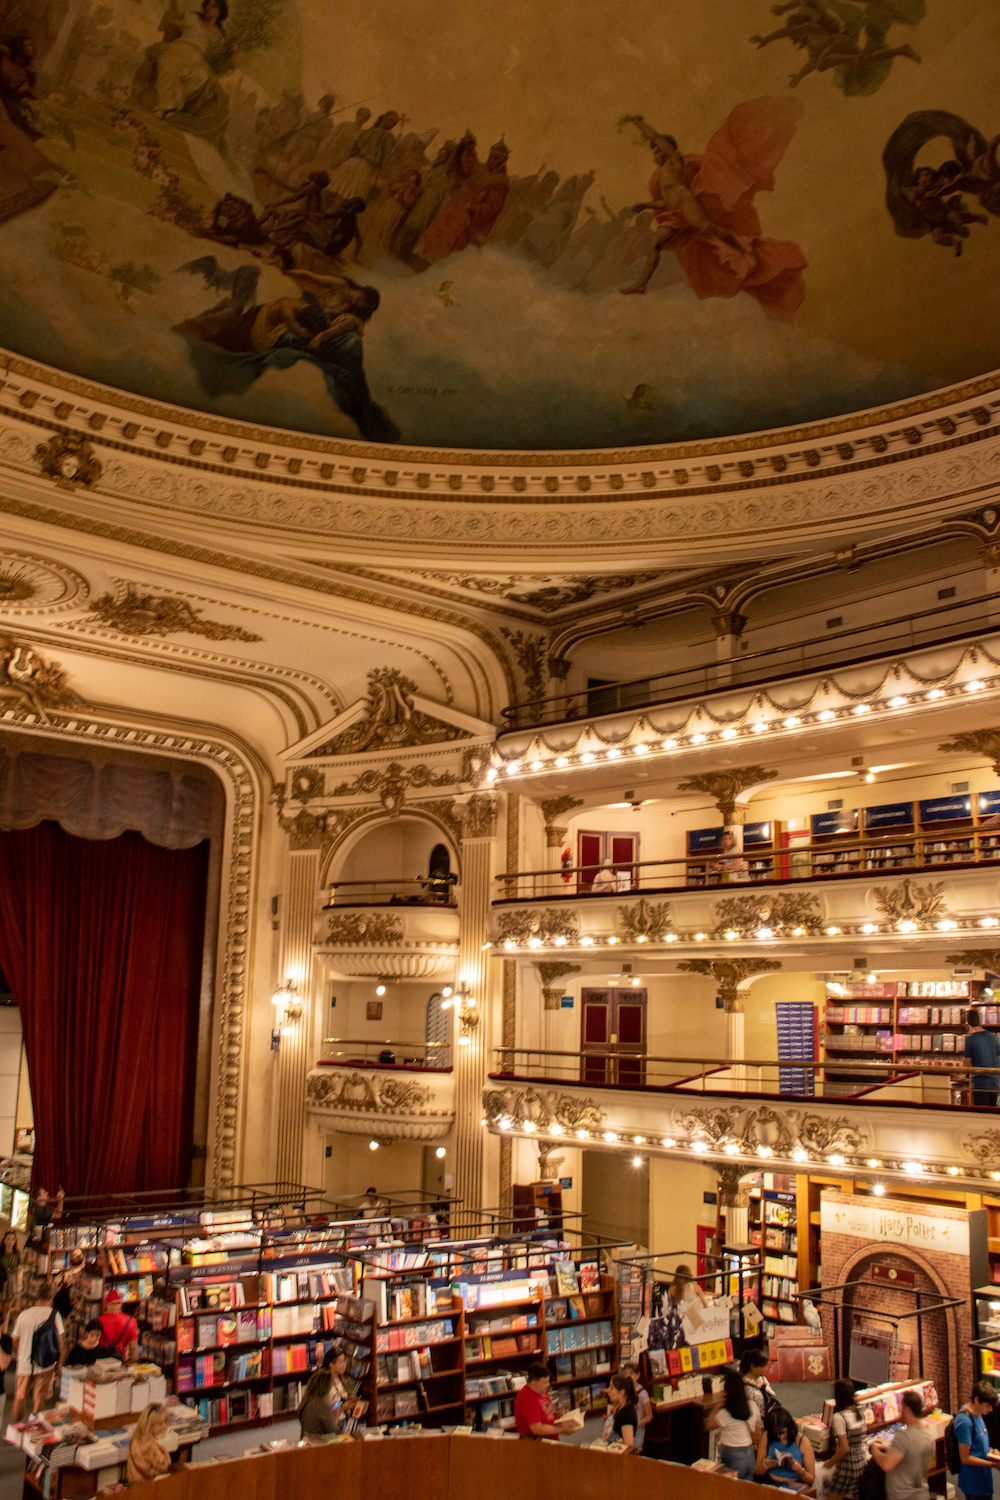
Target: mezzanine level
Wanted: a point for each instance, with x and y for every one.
(898, 1122)
(383, 1088)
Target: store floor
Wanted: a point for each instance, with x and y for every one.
(800, 1398)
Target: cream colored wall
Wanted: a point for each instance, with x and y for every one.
(676, 1204)
(760, 1030)
(404, 1008)
(663, 824)
(352, 1167)
(396, 850)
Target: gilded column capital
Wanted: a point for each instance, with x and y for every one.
(478, 812)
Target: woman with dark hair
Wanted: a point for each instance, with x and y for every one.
(738, 1426)
(316, 1413)
(783, 1456)
(847, 1430)
(622, 1401)
(336, 1362)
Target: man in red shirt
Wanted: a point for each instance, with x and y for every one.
(533, 1411)
(119, 1332)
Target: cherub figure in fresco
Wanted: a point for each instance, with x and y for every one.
(929, 200)
(231, 346)
(830, 34)
(704, 209)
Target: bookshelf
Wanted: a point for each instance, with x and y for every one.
(761, 842)
(918, 1020)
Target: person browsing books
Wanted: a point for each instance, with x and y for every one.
(119, 1332)
(906, 1460)
(622, 1400)
(147, 1457)
(975, 1476)
(336, 1362)
(643, 1406)
(738, 1426)
(88, 1351)
(847, 1430)
(760, 1393)
(533, 1410)
(321, 1410)
(983, 1048)
(784, 1456)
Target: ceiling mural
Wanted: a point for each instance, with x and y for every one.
(463, 228)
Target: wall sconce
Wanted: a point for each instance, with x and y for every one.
(468, 1013)
(288, 1002)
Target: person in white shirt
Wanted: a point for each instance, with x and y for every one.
(738, 1426)
(28, 1371)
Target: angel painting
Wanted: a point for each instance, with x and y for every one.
(705, 213)
(929, 200)
(831, 36)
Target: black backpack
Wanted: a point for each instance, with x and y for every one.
(871, 1485)
(951, 1455)
(45, 1344)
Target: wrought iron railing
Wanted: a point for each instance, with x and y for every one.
(833, 648)
(376, 1053)
(420, 890)
(945, 1083)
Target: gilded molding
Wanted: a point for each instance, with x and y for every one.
(349, 928)
(28, 680)
(34, 585)
(236, 899)
(137, 614)
(390, 720)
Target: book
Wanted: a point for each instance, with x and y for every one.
(566, 1277)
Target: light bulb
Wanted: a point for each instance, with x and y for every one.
(614, 754)
(587, 757)
(582, 1135)
(759, 728)
(935, 693)
(441, 1152)
(913, 1168)
(973, 687)
(534, 942)
(988, 922)
(536, 765)
(863, 708)
(797, 931)
(670, 744)
(670, 937)
(764, 1151)
(907, 926)
(869, 927)
(373, 1145)
(878, 1190)
(698, 739)
(380, 989)
(952, 1171)
(640, 1140)
(504, 1122)
(528, 1127)
(562, 761)
(509, 944)
(826, 716)
(897, 702)
(668, 1143)
(612, 941)
(447, 991)
(872, 1162)
(731, 1148)
(764, 932)
(641, 938)
(586, 942)
(463, 1041)
(699, 1146)
(637, 1161)
(731, 936)
(699, 937)
(832, 931)
(642, 749)
(513, 768)
(799, 1155)
(835, 1159)
(609, 1136)
(491, 775)
(555, 1128)
(729, 734)
(792, 722)
(560, 942)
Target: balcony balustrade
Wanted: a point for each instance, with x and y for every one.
(378, 937)
(383, 1089)
(944, 624)
(898, 1121)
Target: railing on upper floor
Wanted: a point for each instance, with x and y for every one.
(415, 1056)
(750, 668)
(943, 1085)
(834, 857)
(419, 890)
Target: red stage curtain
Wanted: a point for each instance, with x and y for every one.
(102, 945)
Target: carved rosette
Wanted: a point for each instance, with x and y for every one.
(391, 1105)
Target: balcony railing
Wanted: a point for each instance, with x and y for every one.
(843, 648)
(944, 1085)
(421, 890)
(831, 858)
(414, 1056)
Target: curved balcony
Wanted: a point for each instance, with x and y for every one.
(392, 930)
(899, 1121)
(384, 1089)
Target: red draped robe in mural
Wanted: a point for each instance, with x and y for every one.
(739, 162)
(467, 215)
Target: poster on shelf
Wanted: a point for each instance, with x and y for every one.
(705, 1325)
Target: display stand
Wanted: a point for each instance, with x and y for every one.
(833, 1297)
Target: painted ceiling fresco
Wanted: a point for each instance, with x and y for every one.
(519, 227)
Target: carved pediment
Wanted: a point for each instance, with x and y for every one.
(390, 720)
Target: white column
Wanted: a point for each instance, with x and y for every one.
(472, 1059)
(296, 1053)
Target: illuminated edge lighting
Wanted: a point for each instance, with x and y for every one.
(732, 1148)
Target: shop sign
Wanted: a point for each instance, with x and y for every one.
(989, 802)
(703, 838)
(889, 815)
(844, 821)
(566, 1183)
(756, 833)
(894, 1276)
(947, 809)
(894, 1225)
(706, 1325)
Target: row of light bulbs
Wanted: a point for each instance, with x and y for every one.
(762, 933)
(760, 726)
(732, 1148)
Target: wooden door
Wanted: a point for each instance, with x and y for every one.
(624, 851)
(589, 853)
(613, 1040)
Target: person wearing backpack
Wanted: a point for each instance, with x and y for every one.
(119, 1332)
(38, 1340)
(975, 1474)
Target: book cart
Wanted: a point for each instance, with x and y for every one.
(458, 1323)
(676, 1378)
